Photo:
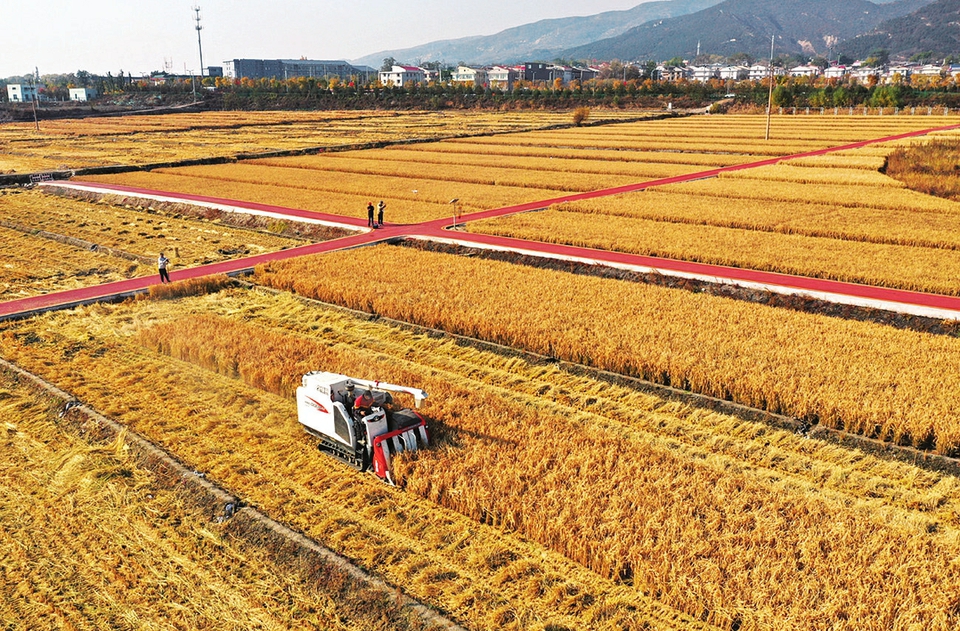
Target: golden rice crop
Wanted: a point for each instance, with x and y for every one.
(403, 205)
(409, 199)
(851, 196)
(249, 441)
(900, 266)
(803, 174)
(455, 151)
(874, 225)
(88, 540)
(848, 374)
(735, 522)
(562, 174)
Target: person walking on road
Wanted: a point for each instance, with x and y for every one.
(162, 263)
(370, 223)
(380, 208)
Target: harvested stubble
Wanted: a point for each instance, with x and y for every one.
(900, 266)
(869, 379)
(169, 137)
(929, 167)
(140, 232)
(89, 540)
(249, 441)
(32, 265)
(749, 526)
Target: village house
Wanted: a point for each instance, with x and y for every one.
(400, 76)
(502, 77)
(82, 94)
(470, 76)
(805, 71)
(20, 93)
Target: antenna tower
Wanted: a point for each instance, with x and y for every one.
(199, 28)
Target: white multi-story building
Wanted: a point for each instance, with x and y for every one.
(835, 72)
(703, 73)
(502, 77)
(805, 71)
(472, 76)
(401, 75)
(734, 73)
(20, 93)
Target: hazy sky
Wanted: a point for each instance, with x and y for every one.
(139, 36)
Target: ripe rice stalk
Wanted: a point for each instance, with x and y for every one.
(890, 265)
(726, 520)
(847, 374)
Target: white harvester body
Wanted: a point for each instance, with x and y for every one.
(365, 437)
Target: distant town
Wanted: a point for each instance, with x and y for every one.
(816, 82)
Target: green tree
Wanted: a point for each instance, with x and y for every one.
(388, 64)
(782, 96)
(841, 97)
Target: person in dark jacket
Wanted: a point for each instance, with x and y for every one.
(380, 208)
(370, 223)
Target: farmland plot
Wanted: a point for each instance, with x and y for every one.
(89, 540)
(75, 143)
(922, 268)
(847, 374)
(502, 523)
(248, 439)
(140, 232)
(32, 265)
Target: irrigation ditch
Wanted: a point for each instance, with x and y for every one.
(362, 592)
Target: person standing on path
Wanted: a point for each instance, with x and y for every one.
(380, 208)
(162, 263)
(370, 223)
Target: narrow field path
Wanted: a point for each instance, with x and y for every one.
(915, 303)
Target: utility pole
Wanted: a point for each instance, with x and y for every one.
(36, 96)
(199, 45)
(770, 94)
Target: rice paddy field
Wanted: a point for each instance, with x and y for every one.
(52, 243)
(146, 139)
(553, 497)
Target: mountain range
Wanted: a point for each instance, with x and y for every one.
(680, 28)
(933, 29)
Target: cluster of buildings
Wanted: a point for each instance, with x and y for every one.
(504, 77)
(22, 93)
(491, 76)
(857, 71)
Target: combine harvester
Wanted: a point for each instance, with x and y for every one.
(356, 422)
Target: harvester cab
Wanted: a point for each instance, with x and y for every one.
(357, 422)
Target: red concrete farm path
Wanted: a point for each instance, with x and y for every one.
(917, 303)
